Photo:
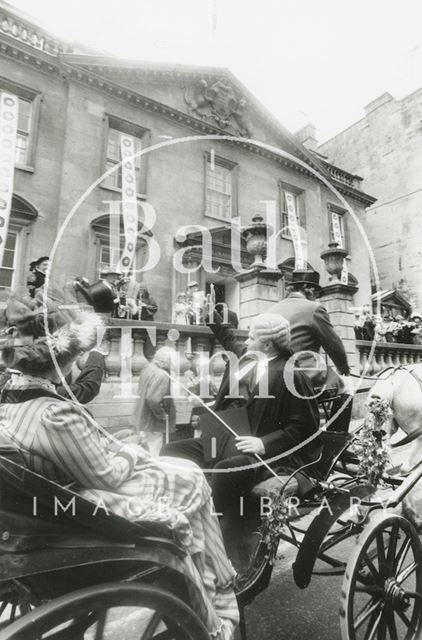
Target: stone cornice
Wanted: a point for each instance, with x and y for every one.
(46, 63)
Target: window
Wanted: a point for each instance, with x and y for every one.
(338, 227)
(7, 271)
(113, 157)
(299, 208)
(220, 188)
(28, 111)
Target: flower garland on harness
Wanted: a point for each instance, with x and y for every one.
(370, 447)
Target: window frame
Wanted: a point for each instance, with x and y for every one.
(300, 207)
(17, 230)
(35, 98)
(136, 131)
(332, 208)
(233, 167)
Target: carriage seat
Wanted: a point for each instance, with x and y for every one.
(76, 523)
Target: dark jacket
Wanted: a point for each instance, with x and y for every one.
(311, 329)
(282, 421)
(87, 385)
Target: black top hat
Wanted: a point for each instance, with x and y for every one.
(100, 295)
(306, 276)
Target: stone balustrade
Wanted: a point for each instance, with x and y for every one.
(130, 341)
(386, 354)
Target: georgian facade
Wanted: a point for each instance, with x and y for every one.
(73, 106)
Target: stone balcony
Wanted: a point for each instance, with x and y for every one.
(386, 354)
(128, 343)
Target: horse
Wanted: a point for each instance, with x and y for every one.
(401, 387)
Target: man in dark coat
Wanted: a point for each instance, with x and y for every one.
(280, 421)
(311, 329)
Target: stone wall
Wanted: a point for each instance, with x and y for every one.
(385, 148)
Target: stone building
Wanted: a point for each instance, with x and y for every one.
(385, 148)
(73, 106)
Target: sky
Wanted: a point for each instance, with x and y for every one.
(318, 61)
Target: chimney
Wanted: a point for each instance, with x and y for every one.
(378, 102)
(307, 136)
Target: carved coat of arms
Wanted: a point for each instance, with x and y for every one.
(218, 104)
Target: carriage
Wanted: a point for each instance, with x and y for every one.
(74, 572)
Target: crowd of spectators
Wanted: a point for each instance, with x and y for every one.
(388, 328)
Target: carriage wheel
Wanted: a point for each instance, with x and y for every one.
(381, 595)
(105, 612)
(15, 602)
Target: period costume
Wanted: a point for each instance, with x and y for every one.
(59, 441)
(281, 422)
(154, 410)
(311, 329)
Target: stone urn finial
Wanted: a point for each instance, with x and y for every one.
(334, 260)
(255, 235)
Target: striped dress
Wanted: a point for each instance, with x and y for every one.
(60, 441)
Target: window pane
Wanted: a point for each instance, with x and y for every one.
(113, 147)
(24, 115)
(6, 276)
(218, 191)
(11, 241)
(8, 258)
(114, 156)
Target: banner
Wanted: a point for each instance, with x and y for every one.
(8, 125)
(337, 237)
(129, 202)
(300, 260)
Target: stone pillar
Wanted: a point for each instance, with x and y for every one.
(338, 300)
(258, 292)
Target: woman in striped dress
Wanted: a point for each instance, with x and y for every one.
(60, 441)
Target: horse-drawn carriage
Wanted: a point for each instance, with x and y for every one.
(75, 571)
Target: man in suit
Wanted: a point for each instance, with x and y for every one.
(279, 421)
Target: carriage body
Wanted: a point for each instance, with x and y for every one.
(54, 543)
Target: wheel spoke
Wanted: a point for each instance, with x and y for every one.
(372, 568)
(407, 572)
(373, 625)
(392, 545)
(382, 628)
(381, 553)
(367, 610)
(152, 626)
(406, 620)
(100, 626)
(13, 612)
(401, 556)
(391, 624)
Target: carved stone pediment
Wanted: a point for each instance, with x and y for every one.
(219, 104)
